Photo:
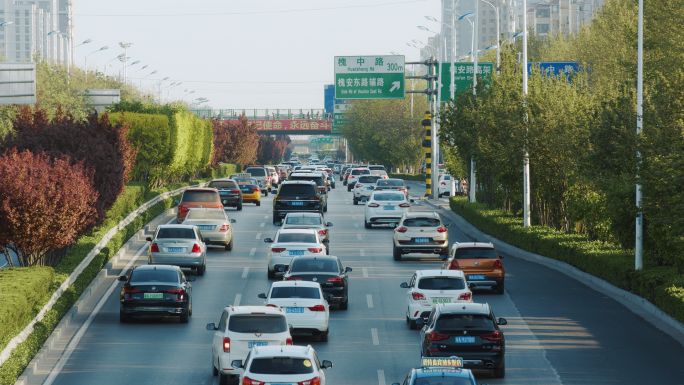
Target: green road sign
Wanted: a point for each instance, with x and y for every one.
(321, 140)
(338, 116)
(369, 77)
(463, 75)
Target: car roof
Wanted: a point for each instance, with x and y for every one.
(201, 189)
(205, 209)
(157, 267)
(221, 180)
(296, 231)
(281, 350)
(454, 273)
(394, 179)
(307, 174)
(473, 244)
(254, 309)
(317, 257)
(465, 308)
(447, 372)
(298, 182)
(420, 214)
(304, 214)
(177, 226)
(296, 283)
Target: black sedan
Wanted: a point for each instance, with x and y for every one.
(327, 271)
(229, 192)
(156, 291)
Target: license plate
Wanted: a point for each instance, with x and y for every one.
(223, 192)
(206, 227)
(388, 208)
(176, 249)
(246, 190)
(153, 295)
(476, 277)
(297, 203)
(296, 252)
(441, 300)
(464, 340)
(422, 240)
(294, 310)
(253, 344)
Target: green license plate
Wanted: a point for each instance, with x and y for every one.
(153, 295)
(441, 300)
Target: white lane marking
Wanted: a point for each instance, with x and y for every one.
(171, 220)
(365, 272)
(356, 225)
(347, 203)
(381, 377)
(251, 252)
(245, 272)
(353, 216)
(258, 236)
(262, 225)
(265, 216)
(270, 211)
(77, 337)
(238, 297)
(362, 252)
(369, 299)
(358, 236)
(374, 334)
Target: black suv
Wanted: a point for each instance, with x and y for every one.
(467, 330)
(319, 179)
(326, 270)
(229, 192)
(296, 196)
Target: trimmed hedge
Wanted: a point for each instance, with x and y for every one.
(418, 177)
(659, 285)
(225, 170)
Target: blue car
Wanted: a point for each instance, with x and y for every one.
(440, 371)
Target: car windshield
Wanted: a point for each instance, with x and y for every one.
(223, 184)
(262, 323)
(281, 365)
(442, 381)
(368, 179)
(421, 222)
(464, 321)
(296, 238)
(200, 196)
(376, 168)
(390, 182)
(256, 171)
(182, 233)
(441, 283)
(295, 292)
(314, 266)
(162, 276)
(206, 214)
(303, 221)
(475, 253)
(385, 197)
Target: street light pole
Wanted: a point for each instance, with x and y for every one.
(526, 159)
(86, 60)
(476, 43)
(638, 247)
(498, 22)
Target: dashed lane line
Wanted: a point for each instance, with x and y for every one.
(381, 377)
(245, 272)
(358, 236)
(258, 236)
(262, 225)
(238, 297)
(362, 252)
(374, 335)
(251, 253)
(369, 299)
(365, 272)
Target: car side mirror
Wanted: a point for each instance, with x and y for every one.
(501, 257)
(472, 285)
(233, 221)
(211, 326)
(268, 240)
(328, 297)
(123, 278)
(408, 188)
(191, 278)
(176, 201)
(420, 321)
(404, 285)
(290, 328)
(329, 224)
(148, 239)
(412, 201)
(325, 240)
(279, 224)
(180, 220)
(347, 269)
(363, 201)
(206, 240)
(237, 364)
(396, 383)
(447, 225)
(262, 295)
(442, 257)
(280, 269)
(326, 364)
(502, 321)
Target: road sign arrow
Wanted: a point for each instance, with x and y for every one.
(395, 85)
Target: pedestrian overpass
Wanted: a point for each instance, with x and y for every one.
(277, 121)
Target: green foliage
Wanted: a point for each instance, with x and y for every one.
(225, 170)
(418, 177)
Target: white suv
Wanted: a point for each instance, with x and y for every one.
(239, 330)
(364, 186)
(288, 365)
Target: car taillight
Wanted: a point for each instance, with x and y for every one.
(498, 264)
(322, 232)
(434, 336)
(224, 228)
(277, 249)
(179, 292)
(255, 189)
(404, 205)
(454, 265)
(288, 341)
(402, 230)
(315, 198)
(271, 305)
(443, 184)
(317, 308)
(373, 205)
(183, 209)
(401, 189)
(385, 177)
(226, 345)
(315, 250)
(313, 381)
(417, 296)
(336, 280)
(496, 336)
(196, 248)
(128, 290)
(235, 191)
(358, 186)
(465, 296)
(249, 381)
(294, 279)
(154, 248)
(441, 230)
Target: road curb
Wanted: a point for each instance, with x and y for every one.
(648, 311)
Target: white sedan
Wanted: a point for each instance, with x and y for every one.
(287, 365)
(430, 287)
(444, 185)
(386, 207)
(364, 186)
(305, 306)
(289, 243)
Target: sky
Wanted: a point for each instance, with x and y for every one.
(251, 53)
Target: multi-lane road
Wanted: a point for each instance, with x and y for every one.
(559, 330)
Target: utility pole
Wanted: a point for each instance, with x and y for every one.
(638, 247)
(476, 44)
(526, 158)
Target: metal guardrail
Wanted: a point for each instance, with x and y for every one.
(264, 114)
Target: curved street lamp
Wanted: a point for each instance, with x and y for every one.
(86, 59)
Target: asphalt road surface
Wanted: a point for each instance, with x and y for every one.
(559, 330)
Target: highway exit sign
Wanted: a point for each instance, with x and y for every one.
(369, 77)
(463, 77)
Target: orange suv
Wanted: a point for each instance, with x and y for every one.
(207, 198)
(479, 262)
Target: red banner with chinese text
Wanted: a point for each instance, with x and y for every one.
(296, 125)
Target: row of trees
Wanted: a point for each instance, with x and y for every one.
(581, 134)
(238, 142)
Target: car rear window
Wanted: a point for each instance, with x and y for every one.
(464, 321)
(227, 184)
(297, 190)
(253, 323)
(176, 233)
(295, 292)
(200, 196)
(308, 221)
(296, 238)
(161, 276)
(447, 177)
(376, 168)
(256, 171)
(206, 214)
(388, 197)
(314, 266)
(361, 172)
(390, 182)
(421, 222)
(444, 381)
(281, 365)
(441, 283)
(318, 180)
(368, 179)
(475, 253)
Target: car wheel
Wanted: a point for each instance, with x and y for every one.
(271, 274)
(190, 311)
(123, 318)
(500, 372)
(266, 193)
(396, 253)
(185, 317)
(368, 225)
(348, 188)
(344, 305)
(356, 202)
(325, 209)
(500, 288)
(333, 186)
(222, 378)
(258, 203)
(229, 246)
(439, 195)
(214, 371)
(412, 324)
(276, 219)
(324, 335)
(239, 207)
(200, 270)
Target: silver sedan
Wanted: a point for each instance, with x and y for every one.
(312, 221)
(178, 245)
(213, 224)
